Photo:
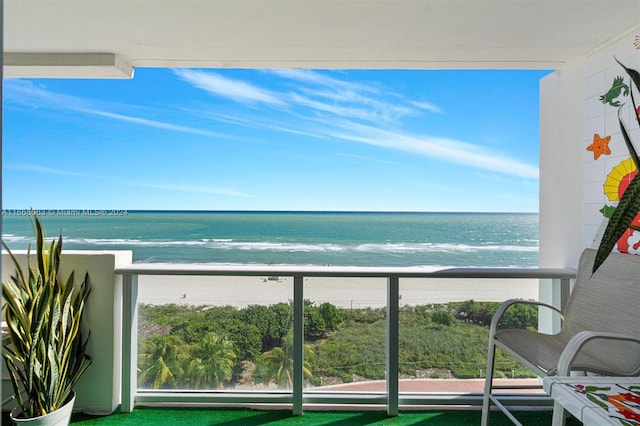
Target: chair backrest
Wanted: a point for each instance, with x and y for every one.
(607, 300)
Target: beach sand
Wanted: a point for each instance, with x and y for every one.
(341, 292)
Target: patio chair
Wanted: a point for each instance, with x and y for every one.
(600, 331)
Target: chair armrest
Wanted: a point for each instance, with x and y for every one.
(495, 321)
(576, 343)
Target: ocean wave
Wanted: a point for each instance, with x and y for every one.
(424, 268)
(227, 244)
(213, 243)
(131, 242)
(440, 248)
(11, 238)
(281, 247)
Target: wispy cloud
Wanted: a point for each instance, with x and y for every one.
(450, 150)
(319, 79)
(257, 123)
(427, 106)
(347, 98)
(236, 90)
(32, 168)
(340, 110)
(314, 92)
(154, 123)
(27, 93)
(46, 170)
(355, 112)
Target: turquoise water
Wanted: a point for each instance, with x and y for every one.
(307, 238)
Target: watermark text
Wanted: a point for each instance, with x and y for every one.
(64, 212)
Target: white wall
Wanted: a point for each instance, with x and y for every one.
(98, 391)
(561, 198)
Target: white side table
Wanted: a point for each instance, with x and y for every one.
(596, 401)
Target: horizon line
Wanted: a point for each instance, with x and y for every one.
(16, 212)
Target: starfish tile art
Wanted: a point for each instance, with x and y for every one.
(600, 146)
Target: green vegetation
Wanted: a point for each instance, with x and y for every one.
(211, 347)
(277, 364)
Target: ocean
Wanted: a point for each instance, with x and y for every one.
(430, 240)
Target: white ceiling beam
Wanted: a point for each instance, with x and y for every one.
(66, 65)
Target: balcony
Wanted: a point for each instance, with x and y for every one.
(115, 332)
(390, 288)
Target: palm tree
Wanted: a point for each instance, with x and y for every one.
(161, 361)
(279, 363)
(213, 362)
(159, 374)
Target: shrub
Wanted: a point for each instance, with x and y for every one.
(443, 318)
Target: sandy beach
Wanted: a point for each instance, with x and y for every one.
(342, 292)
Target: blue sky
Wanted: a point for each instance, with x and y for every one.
(229, 139)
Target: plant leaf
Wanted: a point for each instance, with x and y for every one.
(621, 219)
(635, 75)
(627, 141)
(46, 355)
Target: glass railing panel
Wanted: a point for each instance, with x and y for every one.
(230, 333)
(444, 332)
(165, 294)
(345, 334)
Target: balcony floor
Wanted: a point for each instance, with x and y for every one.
(248, 417)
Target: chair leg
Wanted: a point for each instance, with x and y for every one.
(488, 382)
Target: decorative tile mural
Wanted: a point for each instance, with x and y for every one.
(610, 161)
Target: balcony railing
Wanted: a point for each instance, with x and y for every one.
(392, 398)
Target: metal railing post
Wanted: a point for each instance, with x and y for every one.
(393, 296)
(298, 344)
(129, 341)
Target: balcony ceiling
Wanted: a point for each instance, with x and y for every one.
(107, 38)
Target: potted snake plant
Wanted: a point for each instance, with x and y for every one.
(45, 348)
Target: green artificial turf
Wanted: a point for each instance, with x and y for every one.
(248, 417)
